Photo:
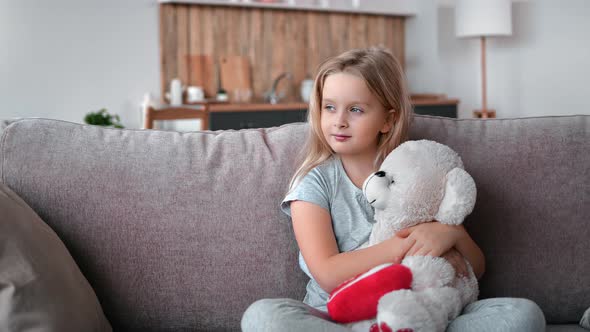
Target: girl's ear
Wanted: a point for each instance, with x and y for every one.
(389, 121)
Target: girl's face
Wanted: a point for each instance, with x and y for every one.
(351, 116)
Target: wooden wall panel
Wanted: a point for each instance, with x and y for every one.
(274, 40)
(182, 43)
(168, 49)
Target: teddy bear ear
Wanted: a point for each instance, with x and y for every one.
(459, 197)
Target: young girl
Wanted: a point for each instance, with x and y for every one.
(359, 112)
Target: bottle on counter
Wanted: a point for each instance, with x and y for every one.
(222, 95)
(175, 92)
(306, 89)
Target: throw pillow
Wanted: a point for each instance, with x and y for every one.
(585, 321)
(41, 287)
(4, 123)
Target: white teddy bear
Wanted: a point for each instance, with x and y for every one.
(418, 182)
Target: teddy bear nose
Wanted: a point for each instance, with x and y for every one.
(380, 174)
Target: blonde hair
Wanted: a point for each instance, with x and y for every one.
(384, 77)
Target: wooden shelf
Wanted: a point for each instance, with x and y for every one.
(393, 8)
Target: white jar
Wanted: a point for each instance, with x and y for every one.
(194, 94)
(175, 92)
(306, 89)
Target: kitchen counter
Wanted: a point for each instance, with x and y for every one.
(297, 106)
(227, 115)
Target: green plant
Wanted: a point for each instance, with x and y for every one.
(103, 118)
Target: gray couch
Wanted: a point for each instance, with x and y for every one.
(182, 231)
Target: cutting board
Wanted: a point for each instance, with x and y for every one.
(235, 73)
(202, 73)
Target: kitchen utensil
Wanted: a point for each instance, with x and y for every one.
(202, 73)
(235, 73)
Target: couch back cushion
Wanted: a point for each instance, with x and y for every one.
(532, 208)
(175, 231)
(182, 231)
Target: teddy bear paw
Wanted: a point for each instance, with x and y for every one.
(383, 327)
(403, 311)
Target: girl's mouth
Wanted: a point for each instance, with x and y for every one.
(341, 138)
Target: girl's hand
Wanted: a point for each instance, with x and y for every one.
(457, 260)
(398, 247)
(432, 238)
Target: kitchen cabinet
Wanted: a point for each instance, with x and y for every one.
(254, 119)
(264, 119)
(446, 110)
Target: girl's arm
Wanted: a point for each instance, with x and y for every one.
(471, 251)
(435, 239)
(313, 230)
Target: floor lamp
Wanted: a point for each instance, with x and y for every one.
(483, 18)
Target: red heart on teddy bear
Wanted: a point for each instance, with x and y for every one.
(357, 299)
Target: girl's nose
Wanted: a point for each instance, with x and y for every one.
(341, 120)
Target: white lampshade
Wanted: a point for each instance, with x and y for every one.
(476, 18)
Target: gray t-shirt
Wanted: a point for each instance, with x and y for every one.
(328, 186)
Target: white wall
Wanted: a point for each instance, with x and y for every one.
(64, 58)
(542, 69)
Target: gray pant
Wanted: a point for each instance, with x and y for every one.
(497, 314)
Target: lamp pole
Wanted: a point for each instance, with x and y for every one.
(484, 110)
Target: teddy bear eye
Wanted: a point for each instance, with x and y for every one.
(392, 181)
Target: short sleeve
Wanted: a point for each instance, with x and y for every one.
(313, 188)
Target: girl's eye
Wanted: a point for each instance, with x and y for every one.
(356, 110)
(329, 108)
